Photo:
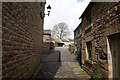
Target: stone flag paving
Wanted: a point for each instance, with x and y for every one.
(65, 54)
(67, 69)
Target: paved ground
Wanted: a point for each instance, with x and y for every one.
(65, 54)
(52, 57)
(68, 68)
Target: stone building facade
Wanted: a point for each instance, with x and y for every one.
(46, 41)
(22, 36)
(0, 39)
(78, 42)
(101, 38)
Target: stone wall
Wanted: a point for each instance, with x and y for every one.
(46, 44)
(22, 30)
(46, 47)
(46, 38)
(105, 21)
(78, 42)
(0, 40)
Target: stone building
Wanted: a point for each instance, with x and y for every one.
(67, 42)
(0, 39)
(22, 36)
(46, 41)
(78, 42)
(101, 38)
(62, 42)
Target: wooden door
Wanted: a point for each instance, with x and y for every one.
(114, 41)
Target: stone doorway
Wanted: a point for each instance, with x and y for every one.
(114, 44)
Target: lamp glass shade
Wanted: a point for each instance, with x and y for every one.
(48, 8)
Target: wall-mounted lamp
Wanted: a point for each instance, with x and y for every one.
(48, 9)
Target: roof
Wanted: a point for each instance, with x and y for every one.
(65, 40)
(78, 26)
(47, 32)
(53, 38)
(87, 8)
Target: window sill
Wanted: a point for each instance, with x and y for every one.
(89, 61)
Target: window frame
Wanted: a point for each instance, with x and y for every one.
(89, 50)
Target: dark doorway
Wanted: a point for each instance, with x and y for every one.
(114, 41)
(60, 44)
(80, 58)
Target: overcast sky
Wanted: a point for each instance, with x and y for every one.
(67, 11)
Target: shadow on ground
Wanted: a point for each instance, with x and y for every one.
(48, 70)
(50, 65)
(60, 68)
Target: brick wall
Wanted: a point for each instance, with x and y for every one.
(0, 39)
(22, 28)
(105, 21)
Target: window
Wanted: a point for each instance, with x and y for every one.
(89, 21)
(89, 49)
(41, 4)
(80, 30)
(76, 33)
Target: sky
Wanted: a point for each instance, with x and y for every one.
(67, 11)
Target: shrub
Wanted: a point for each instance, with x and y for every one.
(97, 73)
(71, 48)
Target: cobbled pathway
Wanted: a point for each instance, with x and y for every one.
(68, 68)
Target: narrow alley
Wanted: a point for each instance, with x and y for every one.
(67, 68)
(59, 39)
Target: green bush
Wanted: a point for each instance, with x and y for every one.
(71, 48)
(97, 73)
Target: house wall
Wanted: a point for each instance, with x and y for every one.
(75, 42)
(105, 21)
(0, 40)
(46, 47)
(78, 43)
(46, 44)
(22, 30)
(46, 38)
